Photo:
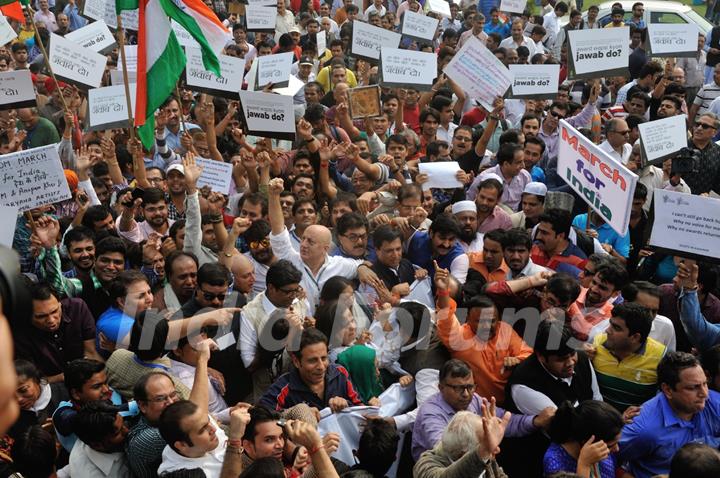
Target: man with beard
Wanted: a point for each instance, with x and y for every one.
(94, 290)
(596, 302)
(490, 215)
(101, 431)
(181, 269)
(80, 244)
(99, 218)
(532, 203)
(439, 245)
(553, 248)
(154, 209)
(351, 235)
(516, 244)
(175, 198)
(466, 214)
(396, 272)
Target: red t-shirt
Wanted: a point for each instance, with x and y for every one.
(473, 117)
(411, 117)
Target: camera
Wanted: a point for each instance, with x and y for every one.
(16, 300)
(686, 161)
(281, 423)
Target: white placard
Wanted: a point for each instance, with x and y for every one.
(686, 223)
(261, 3)
(116, 77)
(216, 174)
(197, 77)
(74, 63)
(535, 81)
(603, 49)
(131, 57)
(16, 90)
(273, 69)
(105, 10)
(292, 88)
(513, 6)
(321, 40)
(662, 138)
(183, 37)
(441, 7)
(367, 40)
(260, 18)
(8, 216)
(673, 39)
(441, 175)
(107, 107)
(32, 178)
(95, 36)
(267, 114)
(418, 26)
(406, 67)
(479, 72)
(603, 182)
(7, 34)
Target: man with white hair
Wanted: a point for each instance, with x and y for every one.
(468, 444)
(313, 259)
(466, 213)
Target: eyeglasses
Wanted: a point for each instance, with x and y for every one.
(463, 139)
(470, 388)
(355, 237)
(210, 296)
(164, 398)
(155, 180)
(704, 125)
(622, 133)
(557, 115)
(291, 291)
(258, 244)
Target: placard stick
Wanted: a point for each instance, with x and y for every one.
(45, 55)
(128, 101)
(182, 114)
(31, 221)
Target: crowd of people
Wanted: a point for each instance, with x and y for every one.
(180, 331)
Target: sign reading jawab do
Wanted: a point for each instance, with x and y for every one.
(599, 50)
(603, 182)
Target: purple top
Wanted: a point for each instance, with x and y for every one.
(435, 414)
(557, 459)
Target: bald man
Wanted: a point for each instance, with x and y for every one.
(243, 272)
(616, 144)
(312, 259)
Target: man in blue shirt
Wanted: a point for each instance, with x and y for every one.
(495, 25)
(613, 243)
(439, 244)
(684, 411)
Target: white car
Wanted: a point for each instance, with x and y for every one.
(655, 12)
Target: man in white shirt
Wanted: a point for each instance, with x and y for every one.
(194, 438)
(376, 6)
(98, 452)
(551, 22)
(517, 39)
(616, 145)
(312, 259)
(285, 19)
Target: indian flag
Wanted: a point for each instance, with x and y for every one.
(161, 59)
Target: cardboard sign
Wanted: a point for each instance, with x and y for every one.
(16, 90)
(95, 36)
(32, 178)
(107, 107)
(274, 69)
(7, 34)
(479, 72)
(598, 50)
(534, 81)
(260, 18)
(268, 115)
(603, 182)
(407, 67)
(75, 64)
(131, 58)
(116, 77)
(364, 102)
(216, 174)
(367, 40)
(183, 37)
(662, 138)
(105, 10)
(513, 6)
(441, 7)
(686, 223)
(676, 39)
(419, 27)
(198, 78)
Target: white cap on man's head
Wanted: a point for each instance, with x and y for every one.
(176, 167)
(535, 188)
(464, 206)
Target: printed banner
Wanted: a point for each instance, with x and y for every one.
(401, 68)
(367, 40)
(603, 182)
(676, 39)
(535, 81)
(419, 27)
(661, 139)
(598, 50)
(216, 174)
(95, 36)
(75, 64)
(268, 115)
(107, 107)
(260, 18)
(198, 78)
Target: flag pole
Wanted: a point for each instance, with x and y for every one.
(45, 55)
(182, 113)
(128, 101)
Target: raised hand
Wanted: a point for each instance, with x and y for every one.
(192, 170)
(442, 277)
(239, 226)
(276, 186)
(592, 452)
(304, 129)
(47, 230)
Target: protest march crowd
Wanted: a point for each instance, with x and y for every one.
(358, 239)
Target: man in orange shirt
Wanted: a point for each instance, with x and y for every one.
(597, 301)
(491, 347)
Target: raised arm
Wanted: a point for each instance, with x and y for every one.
(108, 150)
(492, 121)
(277, 222)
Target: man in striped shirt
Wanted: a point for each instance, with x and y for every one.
(705, 96)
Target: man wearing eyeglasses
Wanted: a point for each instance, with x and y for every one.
(616, 144)
(706, 176)
(457, 393)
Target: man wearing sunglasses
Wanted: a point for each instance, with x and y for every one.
(706, 176)
(617, 133)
